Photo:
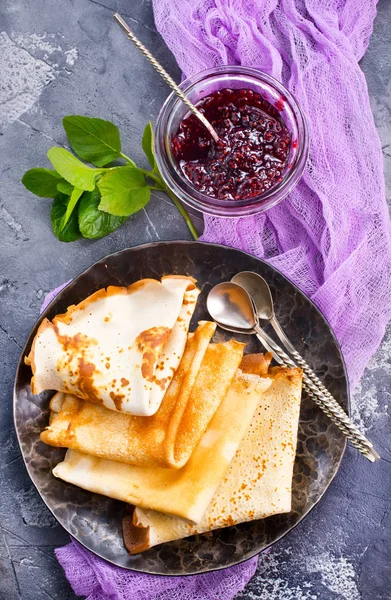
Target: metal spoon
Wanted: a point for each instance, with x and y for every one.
(163, 73)
(231, 307)
(259, 291)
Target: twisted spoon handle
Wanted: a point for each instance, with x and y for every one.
(333, 403)
(165, 76)
(357, 444)
(325, 401)
(369, 453)
(358, 440)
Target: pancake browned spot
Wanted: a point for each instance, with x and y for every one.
(149, 342)
(152, 338)
(117, 399)
(75, 342)
(85, 381)
(162, 382)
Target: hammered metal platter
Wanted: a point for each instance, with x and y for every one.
(94, 520)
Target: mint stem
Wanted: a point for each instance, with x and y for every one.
(152, 175)
(183, 212)
(129, 160)
(162, 187)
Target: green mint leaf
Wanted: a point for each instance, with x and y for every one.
(71, 231)
(72, 169)
(42, 182)
(94, 140)
(73, 200)
(123, 191)
(64, 187)
(94, 223)
(148, 144)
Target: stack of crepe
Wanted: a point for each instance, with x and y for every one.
(203, 438)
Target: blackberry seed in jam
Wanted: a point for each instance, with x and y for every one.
(250, 155)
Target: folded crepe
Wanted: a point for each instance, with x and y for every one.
(187, 491)
(168, 438)
(119, 347)
(258, 482)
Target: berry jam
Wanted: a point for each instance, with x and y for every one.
(250, 155)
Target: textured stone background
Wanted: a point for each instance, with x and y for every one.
(59, 57)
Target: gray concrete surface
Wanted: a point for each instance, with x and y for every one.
(64, 57)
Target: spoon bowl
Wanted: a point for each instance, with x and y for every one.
(234, 329)
(259, 291)
(230, 306)
(232, 309)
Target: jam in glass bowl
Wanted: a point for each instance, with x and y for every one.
(262, 147)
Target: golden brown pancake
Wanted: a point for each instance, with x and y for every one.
(168, 438)
(119, 347)
(187, 491)
(258, 483)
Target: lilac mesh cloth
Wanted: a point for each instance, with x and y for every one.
(331, 237)
(96, 579)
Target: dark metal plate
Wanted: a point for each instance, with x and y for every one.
(95, 521)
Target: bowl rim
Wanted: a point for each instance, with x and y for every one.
(215, 206)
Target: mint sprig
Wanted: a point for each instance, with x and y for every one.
(94, 140)
(93, 222)
(123, 191)
(70, 231)
(92, 202)
(148, 144)
(42, 182)
(72, 169)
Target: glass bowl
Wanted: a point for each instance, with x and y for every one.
(203, 84)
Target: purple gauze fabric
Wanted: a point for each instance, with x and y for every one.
(331, 237)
